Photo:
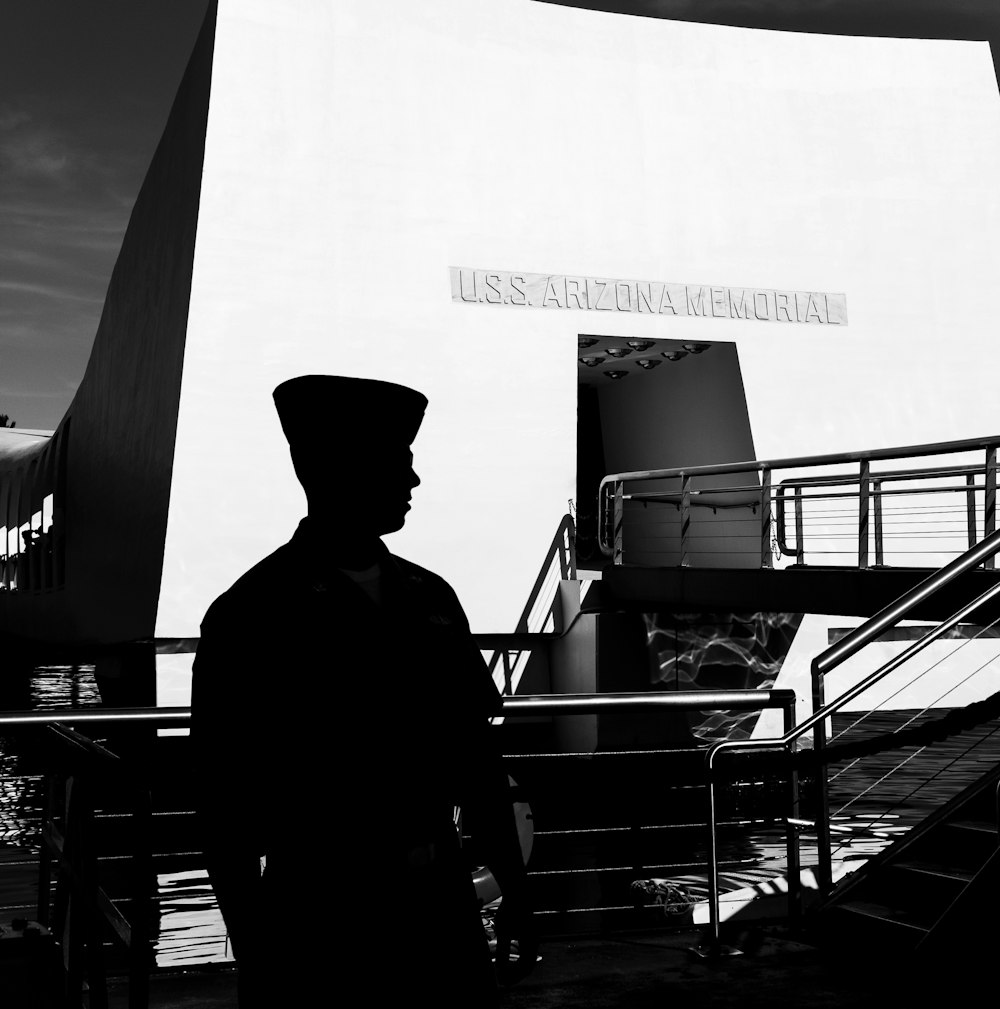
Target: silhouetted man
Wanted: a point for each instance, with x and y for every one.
(340, 710)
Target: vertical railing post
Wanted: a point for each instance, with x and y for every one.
(791, 829)
(824, 870)
(685, 518)
(879, 538)
(140, 942)
(713, 861)
(970, 507)
(766, 557)
(800, 550)
(617, 526)
(864, 501)
(990, 501)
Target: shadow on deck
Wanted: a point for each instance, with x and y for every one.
(638, 972)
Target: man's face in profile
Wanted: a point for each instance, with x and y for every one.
(386, 489)
(367, 490)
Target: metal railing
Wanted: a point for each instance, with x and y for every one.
(822, 665)
(509, 653)
(862, 515)
(530, 706)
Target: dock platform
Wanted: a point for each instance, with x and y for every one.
(640, 971)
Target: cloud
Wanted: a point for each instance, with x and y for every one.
(35, 153)
(48, 291)
(39, 151)
(9, 118)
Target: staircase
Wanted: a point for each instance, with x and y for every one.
(911, 897)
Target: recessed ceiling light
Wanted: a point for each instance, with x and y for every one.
(592, 362)
(616, 374)
(619, 351)
(696, 348)
(674, 355)
(583, 342)
(640, 345)
(649, 362)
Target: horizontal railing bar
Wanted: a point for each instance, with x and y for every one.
(833, 706)
(674, 497)
(896, 611)
(174, 716)
(833, 459)
(684, 700)
(862, 685)
(903, 492)
(530, 704)
(601, 754)
(935, 472)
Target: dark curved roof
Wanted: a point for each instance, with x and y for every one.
(924, 19)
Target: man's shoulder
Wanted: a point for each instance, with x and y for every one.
(435, 593)
(423, 578)
(257, 586)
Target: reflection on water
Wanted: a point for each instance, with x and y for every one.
(191, 929)
(64, 687)
(872, 803)
(20, 783)
(718, 651)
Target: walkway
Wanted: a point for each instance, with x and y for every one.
(638, 972)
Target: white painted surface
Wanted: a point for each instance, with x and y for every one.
(355, 153)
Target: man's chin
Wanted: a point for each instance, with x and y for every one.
(391, 524)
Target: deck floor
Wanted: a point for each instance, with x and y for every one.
(636, 972)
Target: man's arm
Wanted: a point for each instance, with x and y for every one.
(224, 798)
(487, 805)
(489, 814)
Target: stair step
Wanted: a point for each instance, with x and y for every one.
(936, 869)
(979, 826)
(889, 915)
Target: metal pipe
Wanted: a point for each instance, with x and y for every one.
(800, 549)
(766, 560)
(970, 509)
(713, 863)
(990, 497)
(760, 466)
(683, 700)
(864, 499)
(894, 663)
(879, 537)
(526, 705)
(793, 862)
(752, 466)
(161, 717)
(896, 611)
(935, 472)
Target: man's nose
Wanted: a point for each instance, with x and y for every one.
(414, 479)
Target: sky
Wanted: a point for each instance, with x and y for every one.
(85, 90)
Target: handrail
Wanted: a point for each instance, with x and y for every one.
(165, 717)
(830, 459)
(611, 496)
(884, 475)
(524, 705)
(894, 612)
(686, 700)
(828, 660)
(561, 549)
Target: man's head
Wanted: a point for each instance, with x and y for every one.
(350, 442)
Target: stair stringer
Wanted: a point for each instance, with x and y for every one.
(972, 886)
